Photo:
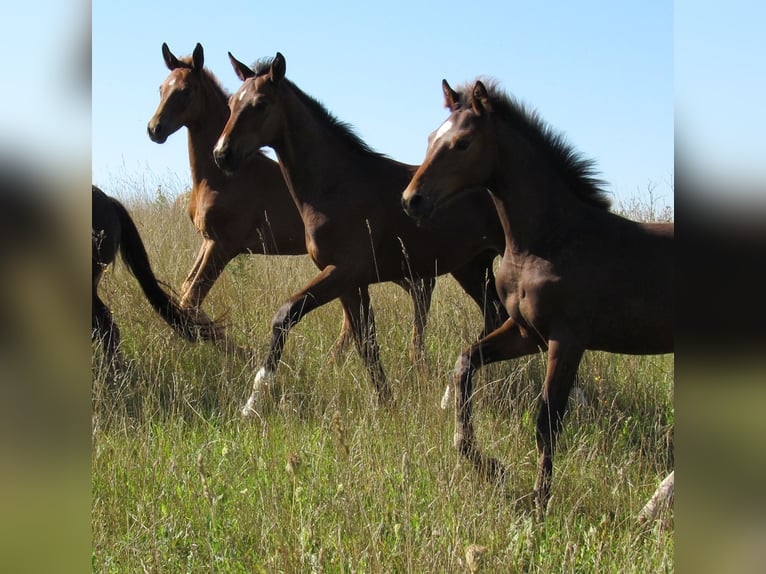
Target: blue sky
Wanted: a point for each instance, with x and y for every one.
(600, 72)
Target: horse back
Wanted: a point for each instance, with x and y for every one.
(611, 285)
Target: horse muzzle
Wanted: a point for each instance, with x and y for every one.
(156, 132)
(417, 206)
(224, 158)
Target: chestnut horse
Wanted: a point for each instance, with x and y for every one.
(356, 231)
(574, 276)
(113, 230)
(250, 212)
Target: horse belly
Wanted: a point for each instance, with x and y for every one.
(633, 328)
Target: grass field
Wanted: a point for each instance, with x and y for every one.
(327, 481)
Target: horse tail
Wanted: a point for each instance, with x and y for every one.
(183, 321)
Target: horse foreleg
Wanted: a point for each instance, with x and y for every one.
(189, 281)
(325, 287)
(363, 323)
(563, 361)
(511, 340)
(211, 260)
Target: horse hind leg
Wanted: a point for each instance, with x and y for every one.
(106, 333)
(563, 362)
(365, 336)
(421, 291)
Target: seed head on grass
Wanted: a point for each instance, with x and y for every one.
(293, 465)
(474, 556)
(340, 434)
(203, 478)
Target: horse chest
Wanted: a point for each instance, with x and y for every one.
(528, 290)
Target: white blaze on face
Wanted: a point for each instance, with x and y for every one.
(443, 129)
(242, 94)
(171, 82)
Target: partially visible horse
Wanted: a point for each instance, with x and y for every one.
(247, 212)
(349, 199)
(113, 230)
(574, 276)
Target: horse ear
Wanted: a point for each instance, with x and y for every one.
(278, 67)
(480, 100)
(242, 70)
(198, 57)
(170, 60)
(451, 97)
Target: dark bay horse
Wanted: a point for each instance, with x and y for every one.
(113, 230)
(574, 276)
(349, 198)
(247, 212)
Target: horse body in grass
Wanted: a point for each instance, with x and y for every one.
(348, 197)
(113, 231)
(247, 212)
(574, 276)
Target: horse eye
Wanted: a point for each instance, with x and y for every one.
(462, 144)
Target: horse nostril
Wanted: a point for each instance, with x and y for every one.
(414, 202)
(222, 156)
(155, 131)
(221, 152)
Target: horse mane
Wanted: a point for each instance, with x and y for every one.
(218, 90)
(343, 130)
(579, 172)
(211, 76)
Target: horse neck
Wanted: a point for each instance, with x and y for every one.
(312, 154)
(531, 198)
(203, 132)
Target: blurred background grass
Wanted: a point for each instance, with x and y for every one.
(47, 405)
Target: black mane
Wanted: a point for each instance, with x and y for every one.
(579, 172)
(215, 81)
(343, 130)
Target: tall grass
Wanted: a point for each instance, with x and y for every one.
(327, 481)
